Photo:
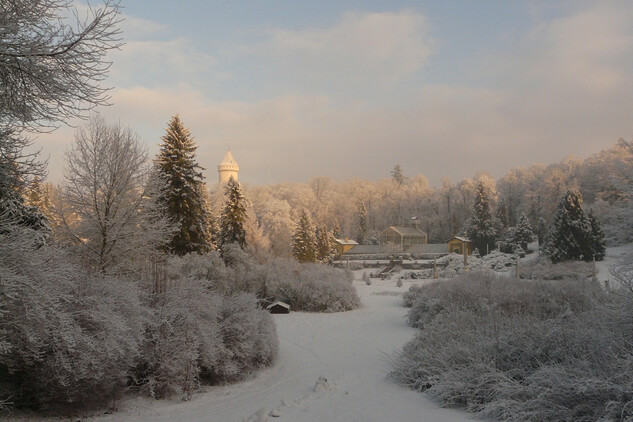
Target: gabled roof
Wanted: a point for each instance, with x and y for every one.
(280, 303)
(463, 239)
(346, 242)
(228, 158)
(407, 231)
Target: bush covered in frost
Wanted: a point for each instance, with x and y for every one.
(306, 287)
(196, 335)
(310, 287)
(68, 338)
(522, 350)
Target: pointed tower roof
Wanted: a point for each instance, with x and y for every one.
(228, 158)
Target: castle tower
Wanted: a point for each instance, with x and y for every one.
(228, 167)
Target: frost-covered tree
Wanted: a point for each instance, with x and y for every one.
(598, 244)
(481, 229)
(303, 241)
(104, 195)
(324, 243)
(501, 214)
(183, 195)
(397, 175)
(52, 66)
(361, 230)
(523, 232)
(541, 231)
(234, 215)
(570, 234)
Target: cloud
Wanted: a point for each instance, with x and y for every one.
(360, 48)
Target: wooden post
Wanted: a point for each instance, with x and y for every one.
(434, 266)
(487, 249)
(465, 256)
(594, 274)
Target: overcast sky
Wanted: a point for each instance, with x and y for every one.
(348, 89)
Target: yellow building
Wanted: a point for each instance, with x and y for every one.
(227, 168)
(402, 238)
(343, 246)
(458, 243)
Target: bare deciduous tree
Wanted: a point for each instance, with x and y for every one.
(105, 183)
(53, 60)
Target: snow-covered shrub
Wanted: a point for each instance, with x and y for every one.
(249, 339)
(70, 338)
(543, 269)
(310, 287)
(197, 334)
(399, 282)
(521, 350)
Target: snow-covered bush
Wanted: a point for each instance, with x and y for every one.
(521, 350)
(543, 269)
(70, 338)
(197, 335)
(310, 287)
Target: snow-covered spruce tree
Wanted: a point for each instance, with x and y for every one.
(183, 194)
(523, 233)
(234, 215)
(598, 244)
(361, 230)
(501, 215)
(324, 243)
(336, 230)
(481, 229)
(570, 233)
(541, 231)
(303, 241)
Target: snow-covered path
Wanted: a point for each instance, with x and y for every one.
(351, 350)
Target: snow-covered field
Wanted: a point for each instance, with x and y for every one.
(350, 349)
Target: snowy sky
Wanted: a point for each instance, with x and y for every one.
(347, 89)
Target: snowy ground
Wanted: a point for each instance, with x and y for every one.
(351, 350)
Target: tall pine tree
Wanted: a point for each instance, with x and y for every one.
(234, 215)
(303, 241)
(361, 231)
(598, 244)
(481, 229)
(523, 232)
(324, 243)
(183, 194)
(570, 234)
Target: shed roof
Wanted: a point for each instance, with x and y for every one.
(346, 242)
(463, 239)
(278, 303)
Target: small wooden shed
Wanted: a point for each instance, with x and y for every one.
(344, 245)
(278, 307)
(458, 243)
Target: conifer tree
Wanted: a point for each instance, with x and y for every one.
(234, 215)
(397, 175)
(303, 241)
(362, 223)
(481, 229)
(336, 230)
(501, 214)
(541, 231)
(183, 195)
(523, 232)
(324, 243)
(598, 244)
(570, 234)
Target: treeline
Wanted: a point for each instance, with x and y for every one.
(360, 209)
